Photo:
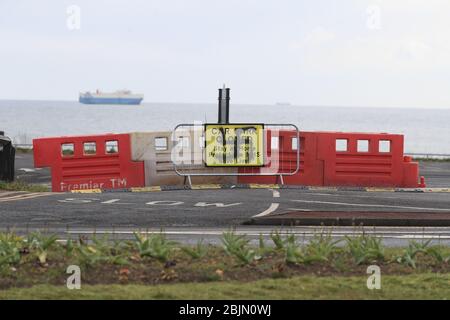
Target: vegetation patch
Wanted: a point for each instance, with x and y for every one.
(22, 186)
(153, 260)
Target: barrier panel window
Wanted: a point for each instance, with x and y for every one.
(384, 146)
(341, 145)
(67, 149)
(89, 148)
(161, 144)
(294, 143)
(274, 142)
(363, 146)
(112, 147)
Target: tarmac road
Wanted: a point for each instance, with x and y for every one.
(191, 215)
(200, 208)
(194, 214)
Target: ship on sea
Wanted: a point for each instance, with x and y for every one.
(117, 97)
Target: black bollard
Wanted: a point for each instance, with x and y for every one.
(224, 105)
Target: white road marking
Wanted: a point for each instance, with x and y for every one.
(165, 203)
(275, 193)
(114, 201)
(349, 195)
(217, 205)
(29, 169)
(299, 209)
(371, 205)
(304, 233)
(323, 194)
(111, 201)
(76, 200)
(273, 207)
(421, 236)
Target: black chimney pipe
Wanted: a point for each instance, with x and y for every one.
(224, 105)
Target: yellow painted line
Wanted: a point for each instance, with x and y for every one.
(146, 189)
(323, 188)
(9, 193)
(436, 189)
(26, 196)
(263, 186)
(410, 189)
(205, 186)
(380, 189)
(87, 191)
(428, 190)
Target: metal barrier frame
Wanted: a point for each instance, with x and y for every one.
(280, 175)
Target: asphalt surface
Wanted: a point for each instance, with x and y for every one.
(437, 174)
(25, 171)
(199, 208)
(194, 214)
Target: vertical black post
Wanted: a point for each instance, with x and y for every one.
(224, 105)
(7, 158)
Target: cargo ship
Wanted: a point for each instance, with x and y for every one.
(117, 97)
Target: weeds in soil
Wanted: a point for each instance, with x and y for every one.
(196, 252)
(10, 249)
(365, 248)
(40, 245)
(153, 246)
(439, 254)
(321, 248)
(16, 252)
(409, 256)
(238, 246)
(99, 251)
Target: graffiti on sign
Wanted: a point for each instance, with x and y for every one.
(234, 145)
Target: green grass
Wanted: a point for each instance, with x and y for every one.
(417, 286)
(424, 159)
(24, 150)
(22, 186)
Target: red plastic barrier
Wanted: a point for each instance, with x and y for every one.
(89, 162)
(342, 159)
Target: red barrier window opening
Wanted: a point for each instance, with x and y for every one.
(384, 146)
(341, 145)
(294, 143)
(67, 149)
(112, 147)
(363, 146)
(89, 148)
(161, 144)
(274, 143)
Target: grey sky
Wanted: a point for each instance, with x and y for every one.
(321, 52)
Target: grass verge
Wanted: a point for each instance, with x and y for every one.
(424, 159)
(419, 286)
(22, 186)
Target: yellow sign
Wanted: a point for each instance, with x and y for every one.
(234, 145)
